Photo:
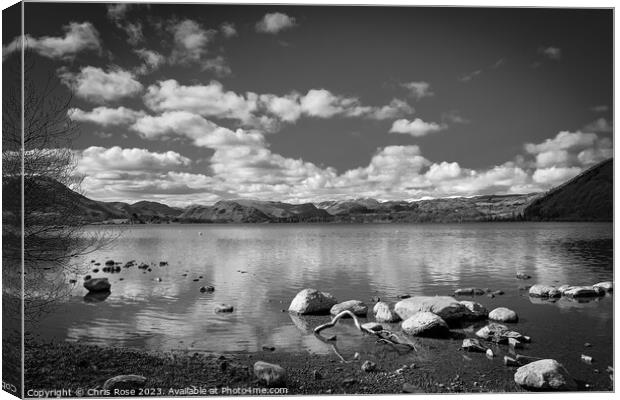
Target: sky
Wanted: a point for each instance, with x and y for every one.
(191, 104)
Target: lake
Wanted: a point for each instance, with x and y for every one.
(259, 268)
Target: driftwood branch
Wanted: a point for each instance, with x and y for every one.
(384, 336)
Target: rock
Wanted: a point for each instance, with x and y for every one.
(269, 374)
(587, 344)
(523, 360)
(498, 333)
(87, 277)
(514, 343)
(372, 326)
(425, 323)
(207, 289)
(163, 263)
(584, 291)
(98, 285)
(473, 345)
(196, 280)
(607, 286)
(95, 270)
(269, 348)
(369, 366)
(522, 275)
(404, 296)
(544, 291)
(158, 279)
(311, 301)
(109, 262)
(383, 313)
(586, 359)
(491, 295)
(444, 306)
(72, 281)
(375, 299)
(125, 382)
(223, 308)
(97, 264)
(478, 311)
(96, 297)
(355, 306)
(545, 374)
(469, 292)
(510, 362)
(503, 314)
(490, 353)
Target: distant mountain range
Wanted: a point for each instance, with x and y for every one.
(587, 197)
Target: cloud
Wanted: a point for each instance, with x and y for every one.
(190, 41)
(418, 90)
(134, 32)
(263, 110)
(152, 61)
(78, 37)
(600, 125)
(202, 132)
(416, 128)
(96, 85)
(555, 175)
(274, 23)
(570, 149)
(599, 108)
(228, 29)
(100, 159)
(551, 52)
(468, 77)
(105, 116)
(443, 171)
(117, 12)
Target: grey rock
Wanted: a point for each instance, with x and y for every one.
(473, 345)
(522, 275)
(207, 289)
(510, 362)
(223, 308)
(469, 292)
(584, 291)
(312, 301)
(498, 333)
(357, 307)
(607, 286)
(478, 311)
(544, 374)
(448, 308)
(425, 323)
(269, 374)
(369, 366)
(383, 313)
(503, 314)
(97, 285)
(372, 326)
(544, 291)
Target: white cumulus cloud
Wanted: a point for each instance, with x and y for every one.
(98, 86)
(106, 116)
(416, 128)
(274, 23)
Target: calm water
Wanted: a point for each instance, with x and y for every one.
(349, 261)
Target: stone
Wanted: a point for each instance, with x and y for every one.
(372, 326)
(562, 289)
(357, 307)
(125, 382)
(448, 308)
(514, 343)
(498, 333)
(404, 296)
(224, 308)
(544, 374)
(607, 286)
(503, 314)
(311, 301)
(478, 311)
(523, 360)
(98, 285)
(369, 366)
(95, 270)
(87, 277)
(522, 275)
(490, 353)
(383, 313)
(207, 289)
(269, 348)
(425, 323)
(469, 292)
(375, 299)
(544, 291)
(473, 345)
(109, 262)
(584, 291)
(269, 374)
(586, 359)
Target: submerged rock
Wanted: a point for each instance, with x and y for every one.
(383, 313)
(269, 374)
(545, 374)
(473, 345)
(357, 307)
(312, 301)
(109, 262)
(207, 289)
(503, 314)
(522, 275)
(125, 382)
(224, 308)
(372, 326)
(448, 308)
(499, 333)
(98, 285)
(478, 311)
(607, 286)
(469, 292)
(544, 291)
(425, 323)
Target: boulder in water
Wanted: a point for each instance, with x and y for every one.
(544, 375)
(312, 301)
(503, 314)
(607, 286)
(383, 313)
(98, 285)
(478, 311)
(469, 292)
(544, 291)
(355, 306)
(584, 291)
(448, 308)
(425, 323)
(223, 308)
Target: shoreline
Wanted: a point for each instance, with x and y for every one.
(72, 366)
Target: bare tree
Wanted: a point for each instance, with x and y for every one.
(53, 230)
